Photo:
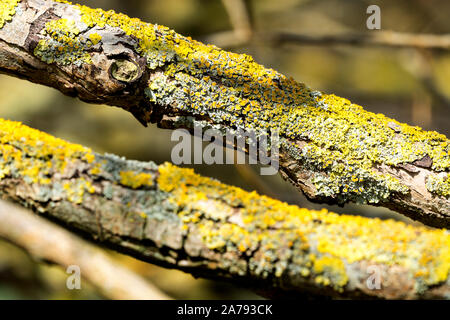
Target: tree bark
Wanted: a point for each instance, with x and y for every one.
(329, 148)
(177, 219)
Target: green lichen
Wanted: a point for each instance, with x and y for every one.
(439, 184)
(344, 143)
(63, 46)
(7, 11)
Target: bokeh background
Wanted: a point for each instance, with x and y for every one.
(410, 85)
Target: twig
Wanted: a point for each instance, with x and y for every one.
(378, 38)
(47, 241)
(418, 65)
(240, 19)
(246, 172)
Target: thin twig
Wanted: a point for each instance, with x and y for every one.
(47, 241)
(378, 38)
(240, 19)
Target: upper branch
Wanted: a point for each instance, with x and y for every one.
(331, 149)
(178, 219)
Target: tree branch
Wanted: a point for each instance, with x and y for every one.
(378, 38)
(177, 219)
(331, 149)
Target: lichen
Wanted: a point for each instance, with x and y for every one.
(63, 44)
(135, 180)
(43, 162)
(345, 143)
(331, 271)
(7, 11)
(439, 184)
(35, 157)
(95, 38)
(314, 244)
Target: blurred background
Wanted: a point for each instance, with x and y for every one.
(408, 84)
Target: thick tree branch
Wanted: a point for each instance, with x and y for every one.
(46, 241)
(331, 149)
(177, 219)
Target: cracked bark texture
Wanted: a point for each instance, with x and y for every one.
(330, 148)
(175, 218)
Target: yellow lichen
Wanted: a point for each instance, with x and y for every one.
(65, 46)
(439, 184)
(7, 10)
(95, 38)
(34, 156)
(343, 140)
(135, 180)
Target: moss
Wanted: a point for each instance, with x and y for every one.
(345, 142)
(7, 11)
(329, 242)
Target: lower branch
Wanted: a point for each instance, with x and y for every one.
(177, 219)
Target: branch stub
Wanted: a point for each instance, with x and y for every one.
(124, 70)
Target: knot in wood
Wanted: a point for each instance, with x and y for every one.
(125, 70)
